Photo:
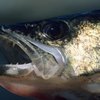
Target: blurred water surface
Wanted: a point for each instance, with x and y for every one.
(29, 10)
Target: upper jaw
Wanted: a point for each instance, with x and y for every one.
(45, 61)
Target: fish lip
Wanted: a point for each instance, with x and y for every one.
(20, 41)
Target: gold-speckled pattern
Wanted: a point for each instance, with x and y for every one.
(84, 50)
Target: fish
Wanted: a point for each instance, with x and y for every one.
(53, 55)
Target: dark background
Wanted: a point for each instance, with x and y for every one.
(12, 11)
(25, 10)
(6, 95)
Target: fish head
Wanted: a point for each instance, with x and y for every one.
(53, 51)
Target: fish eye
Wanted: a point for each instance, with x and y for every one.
(55, 30)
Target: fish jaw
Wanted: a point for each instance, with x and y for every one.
(41, 62)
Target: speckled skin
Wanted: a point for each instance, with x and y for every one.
(84, 49)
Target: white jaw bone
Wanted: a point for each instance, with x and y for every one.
(25, 69)
(19, 69)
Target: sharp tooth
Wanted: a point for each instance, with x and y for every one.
(13, 44)
(10, 64)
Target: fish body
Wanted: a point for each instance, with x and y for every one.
(61, 53)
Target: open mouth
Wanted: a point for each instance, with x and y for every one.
(23, 57)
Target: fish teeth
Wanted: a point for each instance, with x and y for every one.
(6, 30)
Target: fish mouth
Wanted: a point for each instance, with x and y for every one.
(24, 56)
